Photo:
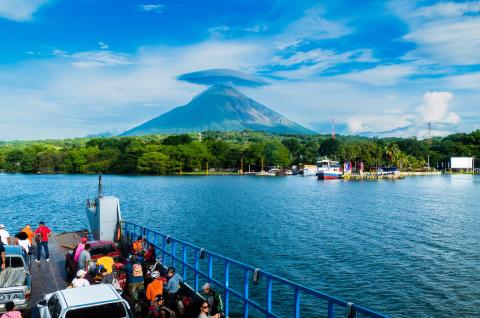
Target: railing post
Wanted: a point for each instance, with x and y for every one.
(196, 271)
(245, 293)
(210, 268)
(227, 286)
(164, 246)
(269, 297)
(297, 303)
(331, 310)
(184, 258)
(174, 248)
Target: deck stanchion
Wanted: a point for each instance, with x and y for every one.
(174, 250)
(269, 297)
(184, 258)
(131, 230)
(227, 286)
(246, 277)
(210, 268)
(196, 271)
(297, 303)
(163, 249)
(331, 310)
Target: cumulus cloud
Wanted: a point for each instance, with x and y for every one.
(435, 108)
(434, 111)
(222, 76)
(19, 10)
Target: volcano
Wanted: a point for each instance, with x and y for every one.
(219, 108)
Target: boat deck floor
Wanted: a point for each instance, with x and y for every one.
(48, 277)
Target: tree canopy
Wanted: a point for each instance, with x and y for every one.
(162, 154)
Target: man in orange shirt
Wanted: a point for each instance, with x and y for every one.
(155, 288)
(28, 230)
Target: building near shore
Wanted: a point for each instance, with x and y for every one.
(462, 163)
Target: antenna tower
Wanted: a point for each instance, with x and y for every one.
(429, 133)
(333, 128)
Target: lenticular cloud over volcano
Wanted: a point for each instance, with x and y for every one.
(222, 76)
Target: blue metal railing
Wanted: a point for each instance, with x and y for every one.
(160, 241)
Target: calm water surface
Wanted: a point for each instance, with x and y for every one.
(407, 248)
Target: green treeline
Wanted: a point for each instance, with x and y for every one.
(225, 151)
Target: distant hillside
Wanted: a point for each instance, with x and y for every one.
(219, 108)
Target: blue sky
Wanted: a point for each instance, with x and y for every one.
(73, 68)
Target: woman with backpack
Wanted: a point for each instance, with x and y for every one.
(10, 311)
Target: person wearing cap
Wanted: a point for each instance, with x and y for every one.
(80, 280)
(27, 229)
(4, 235)
(155, 287)
(135, 282)
(173, 286)
(214, 299)
(44, 233)
(80, 247)
(159, 309)
(107, 278)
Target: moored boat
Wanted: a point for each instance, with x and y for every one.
(328, 169)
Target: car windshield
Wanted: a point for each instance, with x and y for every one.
(112, 310)
(14, 262)
(102, 250)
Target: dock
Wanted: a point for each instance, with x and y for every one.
(48, 277)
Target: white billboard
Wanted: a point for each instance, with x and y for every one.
(461, 163)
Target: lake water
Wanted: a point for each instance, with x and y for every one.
(407, 248)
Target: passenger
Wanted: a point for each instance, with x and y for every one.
(84, 258)
(173, 285)
(2, 256)
(107, 278)
(42, 233)
(80, 247)
(80, 280)
(137, 246)
(5, 236)
(150, 255)
(22, 240)
(158, 309)
(134, 277)
(107, 262)
(214, 300)
(155, 287)
(10, 311)
(204, 308)
(27, 229)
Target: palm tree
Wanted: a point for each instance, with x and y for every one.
(392, 151)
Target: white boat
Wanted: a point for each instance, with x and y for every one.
(328, 169)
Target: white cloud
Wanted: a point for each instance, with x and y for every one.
(19, 10)
(448, 9)
(435, 108)
(446, 33)
(313, 26)
(434, 111)
(103, 45)
(469, 81)
(158, 8)
(382, 75)
(99, 58)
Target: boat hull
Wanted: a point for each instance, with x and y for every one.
(329, 175)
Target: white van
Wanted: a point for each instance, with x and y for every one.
(95, 301)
